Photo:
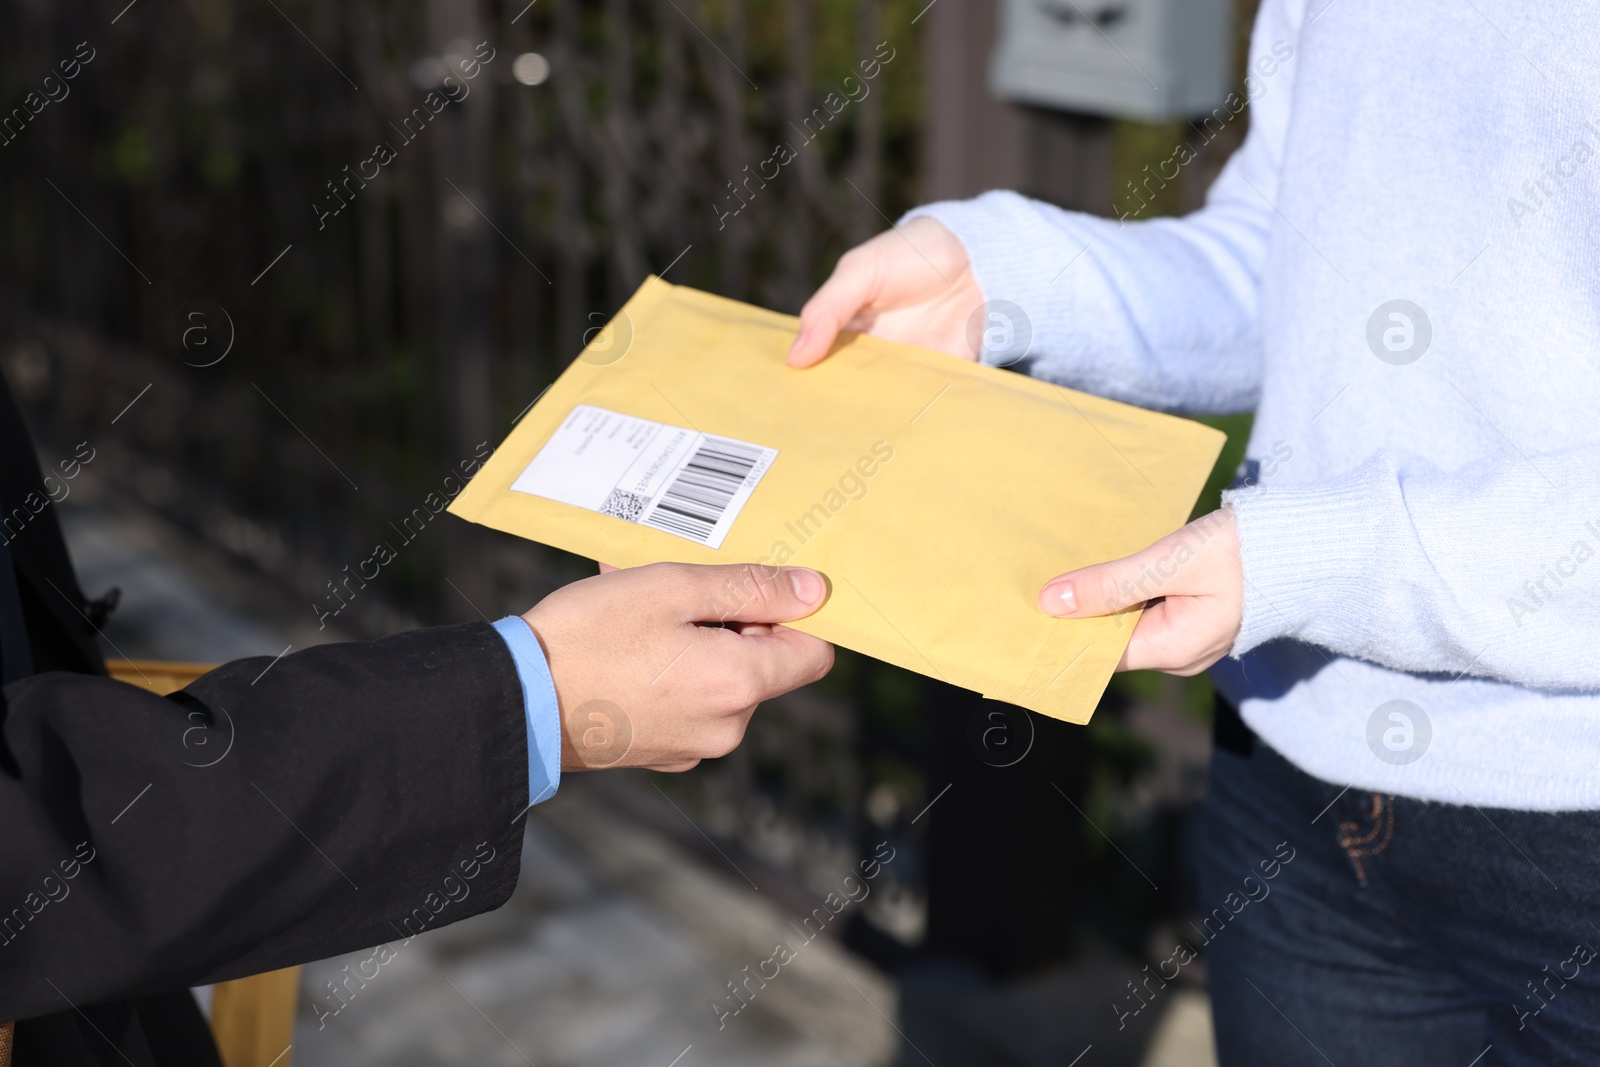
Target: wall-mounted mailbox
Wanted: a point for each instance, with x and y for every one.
(1152, 60)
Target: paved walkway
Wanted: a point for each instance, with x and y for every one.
(609, 953)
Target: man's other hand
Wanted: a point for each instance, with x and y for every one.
(662, 666)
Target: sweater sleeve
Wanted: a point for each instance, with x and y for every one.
(1161, 313)
(1487, 570)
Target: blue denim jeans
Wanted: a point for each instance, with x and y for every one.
(1400, 931)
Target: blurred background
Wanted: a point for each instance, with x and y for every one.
(277, 341)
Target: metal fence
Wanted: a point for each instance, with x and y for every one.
(405, 218)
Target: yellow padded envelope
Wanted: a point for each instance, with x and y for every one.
(936, 495)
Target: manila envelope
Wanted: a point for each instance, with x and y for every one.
(935, 494)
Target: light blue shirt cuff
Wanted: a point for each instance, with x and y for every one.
(540, 705)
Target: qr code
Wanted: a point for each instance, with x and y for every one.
(625, 505)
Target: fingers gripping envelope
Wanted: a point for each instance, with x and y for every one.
(935, 495)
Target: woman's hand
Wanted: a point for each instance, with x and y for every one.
(1194, 582)
(911, 284)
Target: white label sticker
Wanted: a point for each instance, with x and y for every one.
(682, 481)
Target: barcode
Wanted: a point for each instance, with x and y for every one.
(701, 492)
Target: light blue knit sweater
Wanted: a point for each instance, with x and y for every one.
(1426, 522)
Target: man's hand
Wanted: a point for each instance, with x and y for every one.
(912, 284)
(642, 683)
(1197, 585)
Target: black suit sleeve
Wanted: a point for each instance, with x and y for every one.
(270, 814)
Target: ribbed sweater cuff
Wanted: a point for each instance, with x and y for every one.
(1307, 552)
